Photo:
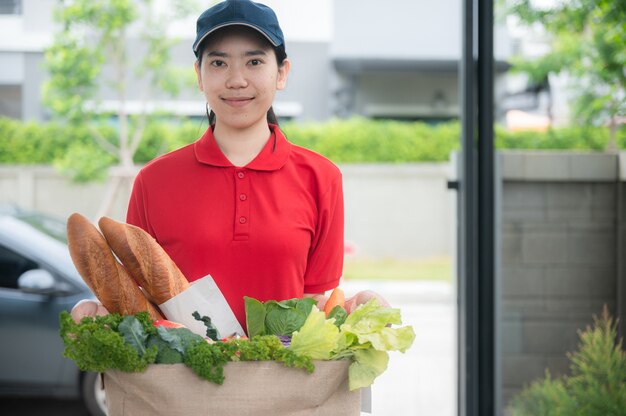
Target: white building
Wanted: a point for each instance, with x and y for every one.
(395, 59)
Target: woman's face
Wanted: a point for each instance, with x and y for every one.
(239, 76)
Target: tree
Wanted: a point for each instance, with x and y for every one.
(588, 42)
(92, 53)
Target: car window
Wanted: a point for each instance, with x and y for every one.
(53, 227)
(12, 265)
(47, 252)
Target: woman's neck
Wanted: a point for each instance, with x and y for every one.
(241, 146)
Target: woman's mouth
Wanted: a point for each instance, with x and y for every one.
(237, 101)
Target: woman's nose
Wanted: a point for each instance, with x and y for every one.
(236, 79)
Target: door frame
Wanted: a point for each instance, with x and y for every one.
(477, 389)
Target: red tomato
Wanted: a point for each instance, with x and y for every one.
(167, 324)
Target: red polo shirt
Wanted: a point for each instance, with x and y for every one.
(272, 229)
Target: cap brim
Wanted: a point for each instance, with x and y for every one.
(204, 36)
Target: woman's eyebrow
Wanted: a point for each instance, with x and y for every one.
(255, 52)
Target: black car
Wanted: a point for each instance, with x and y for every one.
(37, 281)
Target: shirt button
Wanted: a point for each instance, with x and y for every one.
(241, 175)
(243, 197)
(242, 220)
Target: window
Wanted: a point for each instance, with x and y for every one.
(12, 266)
(10, 7)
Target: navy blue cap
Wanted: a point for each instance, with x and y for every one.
(239, 12)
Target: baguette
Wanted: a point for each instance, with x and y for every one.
(145, 260)
(104, 275)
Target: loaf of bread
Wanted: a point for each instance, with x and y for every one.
(105, 276)
(145, 260)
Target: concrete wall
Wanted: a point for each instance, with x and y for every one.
(399, 211)
(559, 233)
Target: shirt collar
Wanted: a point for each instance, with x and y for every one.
(273, 156)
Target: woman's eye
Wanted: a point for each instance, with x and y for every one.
(217, 63)
(255, 62)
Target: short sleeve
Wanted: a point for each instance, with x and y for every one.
(325, 259)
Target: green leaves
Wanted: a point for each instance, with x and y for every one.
(95, 34)
(208, 360)
(587, 41)
(133, 333)
(368, 364)
(211, 330)
(365, 337)
(255, 316)
(96, 345)
(73, 150)
(596, 385)
(131, 343)
(317, 338)
(276, 318)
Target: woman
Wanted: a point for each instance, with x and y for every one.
(262, 216)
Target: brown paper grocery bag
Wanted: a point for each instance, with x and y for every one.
(250, 388)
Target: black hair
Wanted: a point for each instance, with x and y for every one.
(281, 55)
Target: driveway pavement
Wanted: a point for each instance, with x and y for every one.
(421, 382)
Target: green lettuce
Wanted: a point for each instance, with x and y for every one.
(317, 338)
(368, 364)
(366, 336)
(276, 318)
(370, 323)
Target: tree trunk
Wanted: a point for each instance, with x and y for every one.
(120, 180)
(611, 145)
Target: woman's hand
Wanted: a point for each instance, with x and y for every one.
(88, 307)
(363, 297)
(351, 303)
(320, 298)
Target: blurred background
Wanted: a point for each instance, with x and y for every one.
(91, 90)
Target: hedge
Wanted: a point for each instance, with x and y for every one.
(355, 140)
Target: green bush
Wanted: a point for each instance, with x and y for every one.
(360, 140)
(356, 140)
(596, 386)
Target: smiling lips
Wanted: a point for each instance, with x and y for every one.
(237, 101)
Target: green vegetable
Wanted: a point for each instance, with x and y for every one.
(364, 337)
(134, 334)
(179, 338)
(208, 360)
(255, 317)
(211, 330)
(172, 343)
(96, 345)
(131, 343)
(369, 323)
(276, 318)
(367, 336)
(339, 314)
(368, 364)
(165, 353)
(317, 338)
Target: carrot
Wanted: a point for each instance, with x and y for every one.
(337, 297)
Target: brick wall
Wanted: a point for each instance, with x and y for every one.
(559, 236)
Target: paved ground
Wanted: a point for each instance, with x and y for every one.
(423, 380)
